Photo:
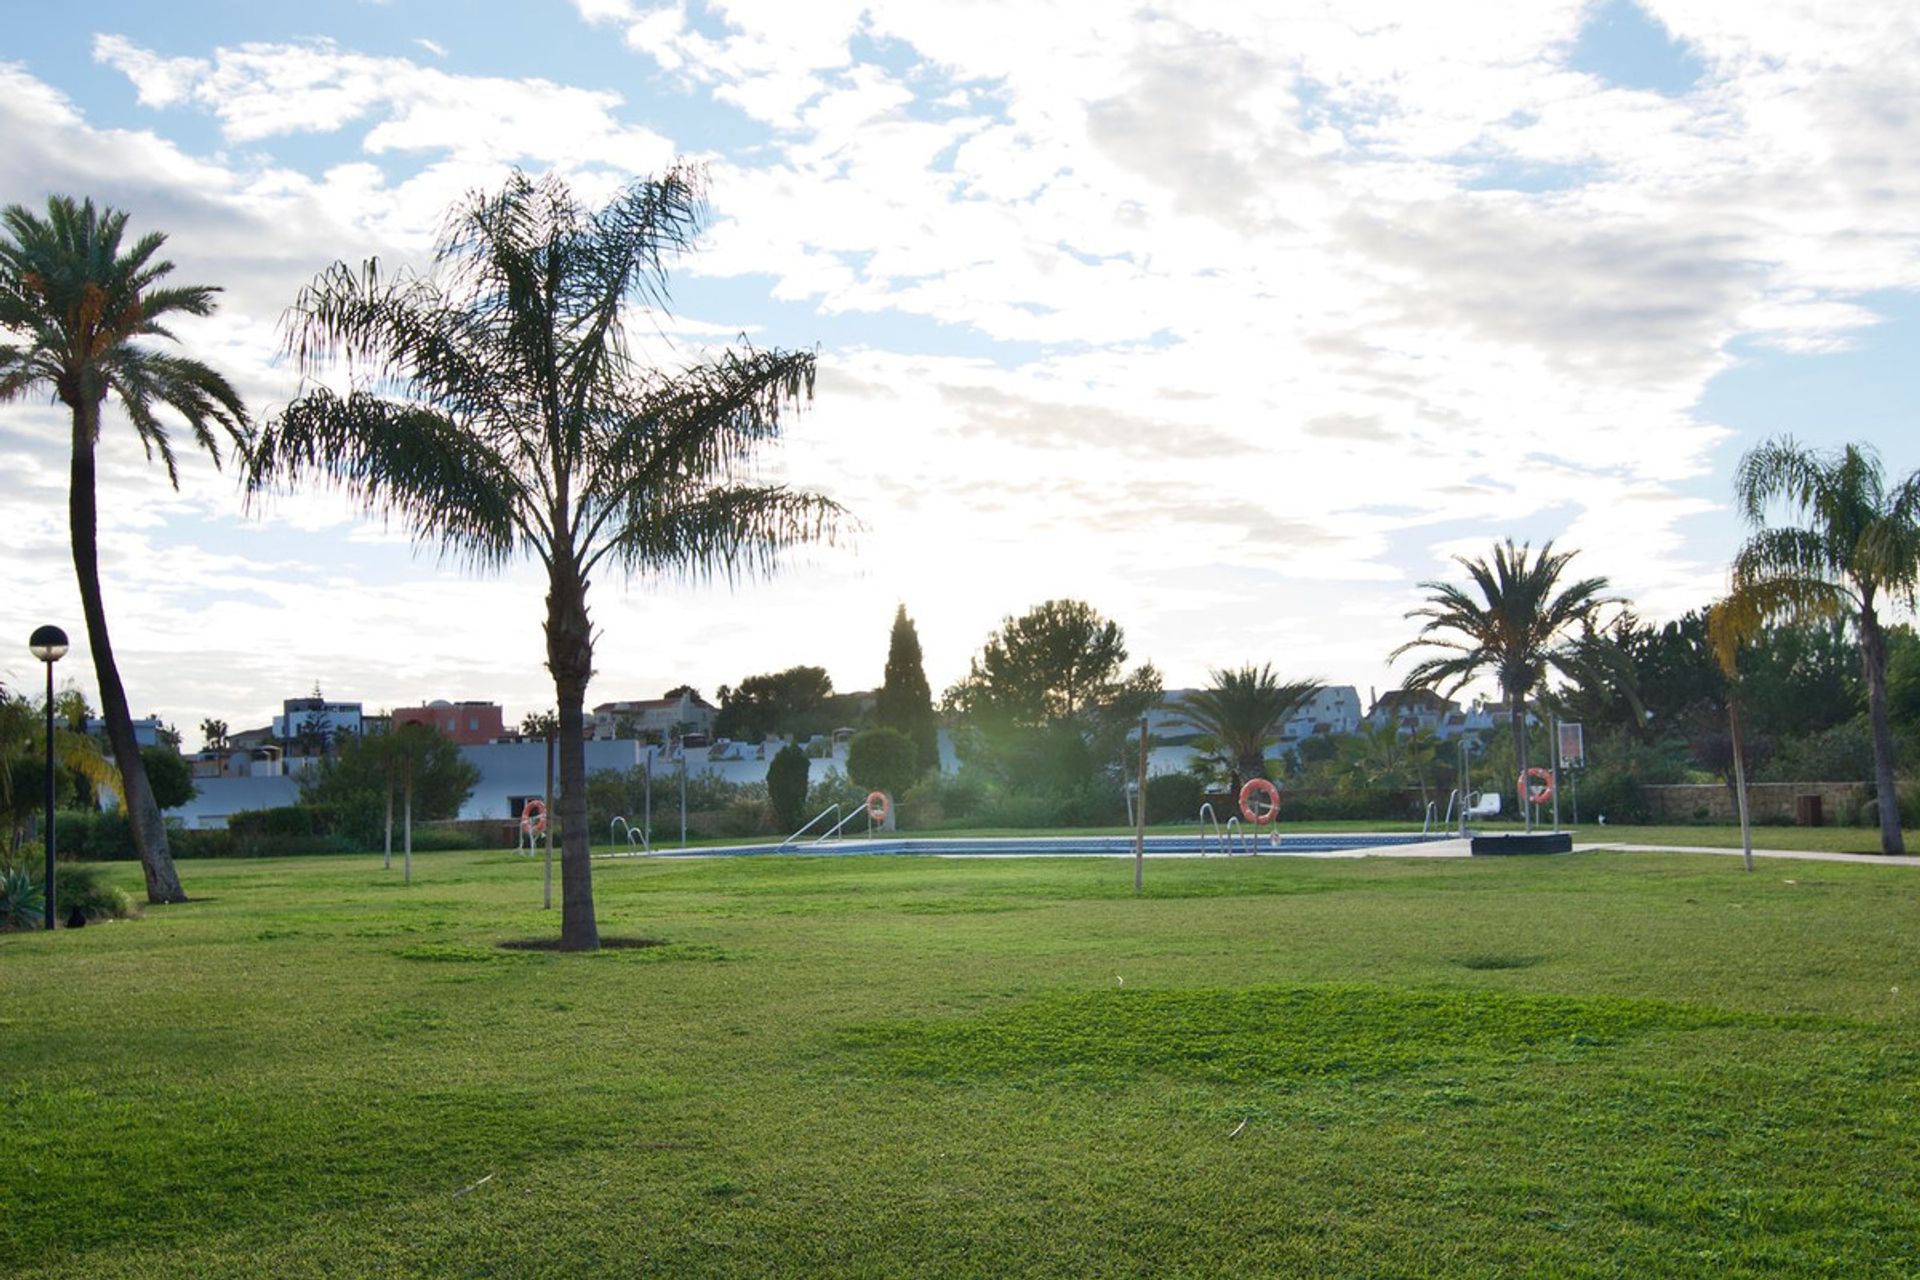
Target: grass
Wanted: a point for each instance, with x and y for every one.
(1607, 1065)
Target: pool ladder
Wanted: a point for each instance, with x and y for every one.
(1229, 836)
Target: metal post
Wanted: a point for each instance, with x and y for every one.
(386, 859)
(1140, 815)
(49, 832)
(547, 889)
(683, 796)
(1556, 775)
(646, 818)
(407, 857)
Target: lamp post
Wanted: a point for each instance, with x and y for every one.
(49, 644)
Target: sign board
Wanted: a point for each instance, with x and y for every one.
(1573, 747)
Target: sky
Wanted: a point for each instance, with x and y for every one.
(1237, 321)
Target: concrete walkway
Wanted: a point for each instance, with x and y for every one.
(1878, 859)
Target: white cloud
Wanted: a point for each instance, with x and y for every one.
(1273, 305)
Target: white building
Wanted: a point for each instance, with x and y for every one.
(319, 716)
(657, 717)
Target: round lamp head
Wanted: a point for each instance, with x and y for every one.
(49, 644)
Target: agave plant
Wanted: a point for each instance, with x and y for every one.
(21, 900)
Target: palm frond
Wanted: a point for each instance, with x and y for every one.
(398, 460)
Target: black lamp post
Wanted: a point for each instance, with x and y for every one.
(49, 644)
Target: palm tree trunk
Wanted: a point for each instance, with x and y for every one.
(1873, 657)
(1740, 781)
(143, 815)
(570, 659)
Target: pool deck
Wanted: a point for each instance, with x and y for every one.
(1353, 845)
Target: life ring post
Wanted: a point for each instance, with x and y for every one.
(1260, 801)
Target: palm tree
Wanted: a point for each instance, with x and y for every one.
(1513, 629)
(1859, 545)
(1241, 712)
(23, 747)
(495, 406)
(77, 305)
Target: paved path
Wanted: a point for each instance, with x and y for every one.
(1878, 859)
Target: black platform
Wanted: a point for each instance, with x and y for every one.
(1548, 842)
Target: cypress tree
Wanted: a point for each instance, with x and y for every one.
(906, 700)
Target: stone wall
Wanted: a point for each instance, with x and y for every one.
(1771, 803)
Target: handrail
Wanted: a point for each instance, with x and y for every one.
(827, 812)
(635, 837)
(851, 815)
(1207, 815)
(1235, 833)
(1426, 823)
(1446, 823)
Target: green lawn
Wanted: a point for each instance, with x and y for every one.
(1604, 1064)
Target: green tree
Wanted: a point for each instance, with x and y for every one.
(1047, 702)
(1857, 547)
(906, 700)
(23, 753)
(1242, 711)
(214, 734)
(1515, 624)
(882, 760)
(355, 779)
(76, 305)
(779, 702)
(787, 775)
(500, 412)
(169, 775)
(1044, 667)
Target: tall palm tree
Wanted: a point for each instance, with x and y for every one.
(1242, 711)
(495, 406)
(1858, 546)
(76, 306)
(1514, 625)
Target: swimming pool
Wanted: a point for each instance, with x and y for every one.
(1186, 846)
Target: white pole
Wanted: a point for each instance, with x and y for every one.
(409, 819)
(1140, 815)
(547, 897)
(1556, 775)
(386, 861)
(683, 795)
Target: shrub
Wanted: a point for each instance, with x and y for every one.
(1175, 797)
(787, 786)
(21, 903)
(82, 888)
(96, 837)
(201, 844)
(289, 831)
(938, 799)
(882, 760)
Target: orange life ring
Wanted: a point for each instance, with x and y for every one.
(1541, 789)
(878, 806)
(533, 817)
(1259, 787)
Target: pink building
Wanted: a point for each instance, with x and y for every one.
(471, 724)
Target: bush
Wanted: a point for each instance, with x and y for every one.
(200, 844)
(289, 831)
(96, 837)
(1843, 753)
(21, 903)
(1341, 806)
(944, 799)
(83, 889)
(787, 786)
(882, 760)
(1175, 797)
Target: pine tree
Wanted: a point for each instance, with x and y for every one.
(906, 700)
